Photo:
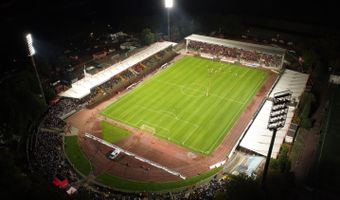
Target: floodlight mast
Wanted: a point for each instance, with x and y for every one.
(277, 119)
(31, 51)
(168, 5)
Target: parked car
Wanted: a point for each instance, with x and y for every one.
(114, 154)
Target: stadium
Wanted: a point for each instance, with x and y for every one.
(174, 114)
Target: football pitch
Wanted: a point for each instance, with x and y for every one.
(194, 103)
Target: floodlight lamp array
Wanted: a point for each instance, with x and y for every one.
(284, 99)
(169, 3)
(276, 125)
(278, 106)
(30, 44)
(279, 111)
(277, 118)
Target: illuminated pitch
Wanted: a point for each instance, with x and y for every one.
(193, 103)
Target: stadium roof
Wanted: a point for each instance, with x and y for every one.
(236, 44)
(257, 137)
(82, 87)
(293, 81)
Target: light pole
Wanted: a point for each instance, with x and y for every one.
(168, 5)
(277, 119)
(31, 51)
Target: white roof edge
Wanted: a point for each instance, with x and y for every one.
(82, 87)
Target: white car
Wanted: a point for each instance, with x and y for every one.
(114, 154)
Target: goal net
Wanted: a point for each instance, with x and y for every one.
(148, 128)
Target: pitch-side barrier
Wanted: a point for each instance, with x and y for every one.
(135, 156)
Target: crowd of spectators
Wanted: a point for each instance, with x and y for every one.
(55, 112)
(207, 191)
(138, 68)
(49, 157)
(48, 153)
(127, 74)
(237, 53)
(150, 62)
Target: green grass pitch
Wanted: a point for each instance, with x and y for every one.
(113, 134)
(193, 103)
(76, 155)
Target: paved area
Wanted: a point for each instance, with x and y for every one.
(306, 157)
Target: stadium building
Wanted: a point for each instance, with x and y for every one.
(244, 53)
(173, 115)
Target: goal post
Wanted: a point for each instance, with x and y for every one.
(148, 128)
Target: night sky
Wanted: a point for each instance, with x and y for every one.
(49, 20)
(58, 11)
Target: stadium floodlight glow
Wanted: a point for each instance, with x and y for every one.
(31, 54)
(169, 3)
(277, 120)
(30, 44)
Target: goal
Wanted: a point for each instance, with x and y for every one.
(148, 128)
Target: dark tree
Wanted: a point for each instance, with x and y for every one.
(243, 187)
(148, 37)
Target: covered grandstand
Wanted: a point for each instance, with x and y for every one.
(83, 87)
(257, 137)
(293, 81)
(258, 54)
